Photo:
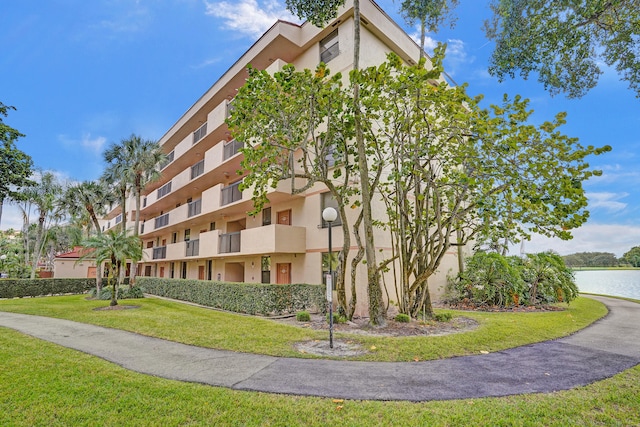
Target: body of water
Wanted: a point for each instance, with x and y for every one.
(622, 283)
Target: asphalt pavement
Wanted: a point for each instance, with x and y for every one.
(607, 347)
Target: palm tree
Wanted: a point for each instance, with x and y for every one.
(113, 248)
(114, 177)
(44, 196)
(89, 199)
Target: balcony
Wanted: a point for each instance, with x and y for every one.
(229, 243)
(231, 148)
(200, 133)
(274, 238)
(160, 252)
(192, 248)
(230, 194)
(194, 208)
(161, 221)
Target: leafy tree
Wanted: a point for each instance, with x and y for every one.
(114, 248)
(431, 14)
(565, 42)
(459, 172)
(15, 166)
(319, 13)
(633, 256)
(296, 126)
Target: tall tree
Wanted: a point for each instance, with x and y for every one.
(459, 172)
(89, 198)
(320, 13)
(566, 42)
(114, 248)
(431, 14)
(44, 197)
(298, 135)
(15, 166)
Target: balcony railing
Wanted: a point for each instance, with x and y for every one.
(232, 148)
(192, 248)
(164, 190)
(231, 194)
(229, 242)
(200, 133)
(197, 169)
(194, 208)
(161, 221)
(160, 252)
(168, 160)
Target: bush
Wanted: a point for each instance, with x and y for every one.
(123, 293)
(303, 316)
(442, 317)
(493, 279)
(250, 298)
(337, 318)
(402, 318)
(19, 288)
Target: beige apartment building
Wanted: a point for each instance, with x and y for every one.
(194, 219)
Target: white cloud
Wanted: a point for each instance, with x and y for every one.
(91, 144)
(249, 16)
(614, 238)
(607, 201)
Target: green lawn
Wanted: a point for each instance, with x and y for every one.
(209, 328)
(42, 384)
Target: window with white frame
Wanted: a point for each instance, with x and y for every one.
(329, 47)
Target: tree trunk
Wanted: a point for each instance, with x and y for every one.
(374, 291)
(37, 250)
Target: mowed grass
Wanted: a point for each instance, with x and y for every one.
(42, 384)
(209, 328)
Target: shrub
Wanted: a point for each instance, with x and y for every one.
(493, 279)
(19, 288)
(442, 317)
(123, 293)
(250, 298)
(337, 318)
(402, 318)
(303, 316)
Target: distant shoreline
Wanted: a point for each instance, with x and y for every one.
(603, 268)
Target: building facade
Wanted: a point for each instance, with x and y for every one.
(194, 219)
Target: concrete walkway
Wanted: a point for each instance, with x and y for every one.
(605, 348)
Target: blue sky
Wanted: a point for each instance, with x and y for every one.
(84, 74)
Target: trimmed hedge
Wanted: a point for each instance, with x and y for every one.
(18, 288)
(250, 298)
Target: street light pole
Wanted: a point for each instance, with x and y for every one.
(330, 215)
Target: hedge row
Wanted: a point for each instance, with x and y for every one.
(250, 298)
(18, 288)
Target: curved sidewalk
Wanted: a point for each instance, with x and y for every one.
(599, 351)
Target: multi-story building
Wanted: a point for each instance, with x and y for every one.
(195, 222)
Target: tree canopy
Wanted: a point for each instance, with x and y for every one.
(15, 165)
(566, 42)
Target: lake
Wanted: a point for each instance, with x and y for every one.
(622, 283)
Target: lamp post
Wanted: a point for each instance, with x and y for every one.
(330, 215)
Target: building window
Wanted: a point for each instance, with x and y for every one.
(266, 269)
(164, 190)
(200, 133)
(231, 148)
(197, 169)
(172, 270)
(325, 266)
(329, 47)
(266, 216)
(209, 269)
(187, 234)
(329, 201)
(212, 226)
(174, 237)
